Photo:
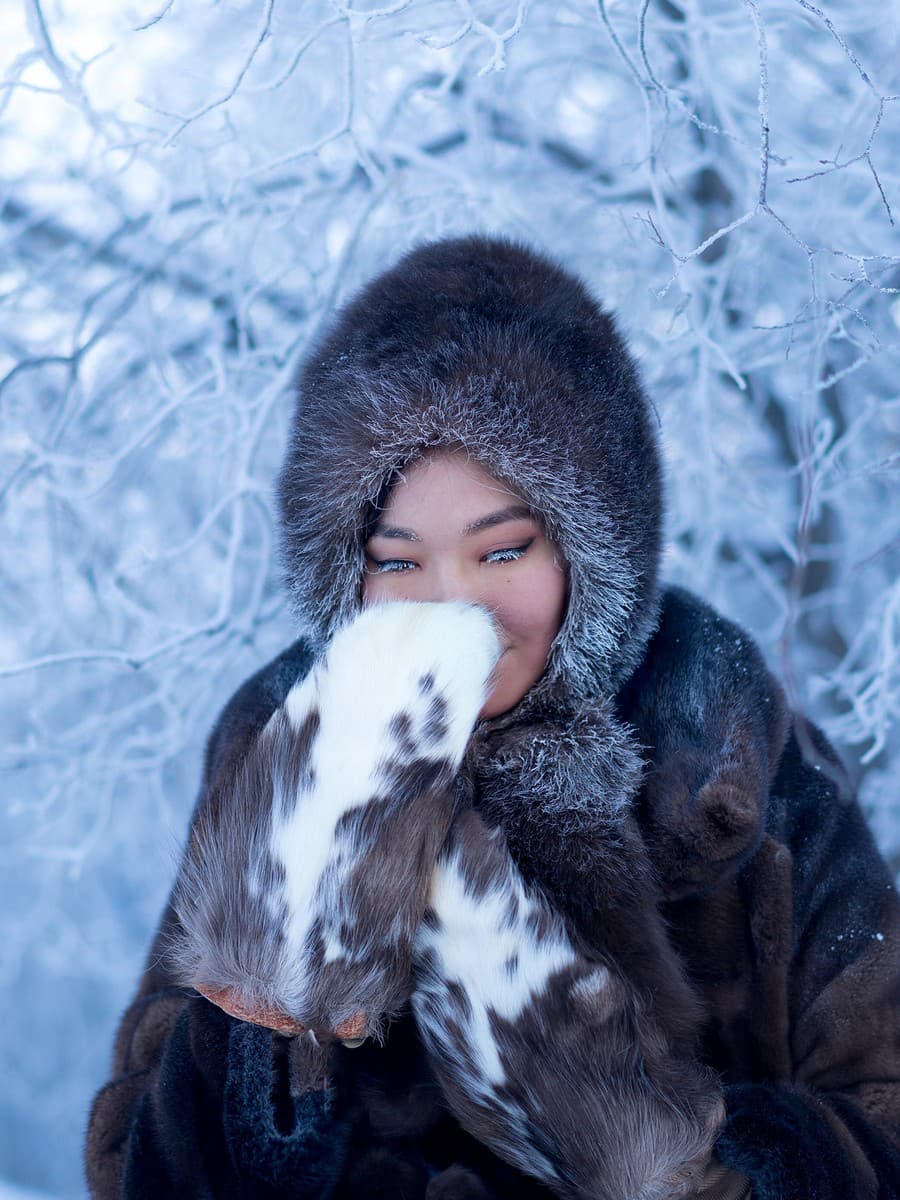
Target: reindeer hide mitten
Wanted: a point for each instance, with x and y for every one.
(548, 1057)
(562, 788)
(308, 864)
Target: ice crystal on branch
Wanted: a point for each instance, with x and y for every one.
(188, 192)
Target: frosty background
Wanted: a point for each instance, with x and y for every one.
(189, 188)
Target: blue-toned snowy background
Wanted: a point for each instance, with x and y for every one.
(186, 191)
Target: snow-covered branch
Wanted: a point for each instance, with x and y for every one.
(189, 190)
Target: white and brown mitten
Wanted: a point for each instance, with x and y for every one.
(547, 1057)
(308, 866)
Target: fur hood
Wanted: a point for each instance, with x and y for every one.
(482, 343)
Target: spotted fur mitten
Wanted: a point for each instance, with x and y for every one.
(307, 867)
(545, 1056)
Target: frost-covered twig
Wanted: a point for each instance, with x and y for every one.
(720, 174)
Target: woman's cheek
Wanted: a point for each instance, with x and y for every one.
(385, 586)
(532, 610)
(372, 591)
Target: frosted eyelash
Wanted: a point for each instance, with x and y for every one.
(384, 563)
(518, 551)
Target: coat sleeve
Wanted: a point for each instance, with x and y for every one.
(199, 1104)
(832, 1130)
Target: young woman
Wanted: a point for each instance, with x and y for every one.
(720, 1010)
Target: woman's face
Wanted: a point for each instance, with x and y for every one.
(450, 531)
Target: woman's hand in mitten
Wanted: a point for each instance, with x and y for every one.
(548, 1058)
(308, 864)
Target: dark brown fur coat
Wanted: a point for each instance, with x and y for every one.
(651, 786)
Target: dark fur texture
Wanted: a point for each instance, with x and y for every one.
(704, 699)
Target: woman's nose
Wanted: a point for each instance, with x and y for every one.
(451, 583)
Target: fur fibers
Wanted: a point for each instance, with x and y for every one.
(718, 721)
(306, 875)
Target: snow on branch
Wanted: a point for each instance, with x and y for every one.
(189, 190)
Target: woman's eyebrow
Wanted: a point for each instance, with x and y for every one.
(513, 512)
(395, 532)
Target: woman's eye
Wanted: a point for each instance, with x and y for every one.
(510, 555)
(388, 566)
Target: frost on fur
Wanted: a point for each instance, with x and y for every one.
(543, 1055)
(308, 864)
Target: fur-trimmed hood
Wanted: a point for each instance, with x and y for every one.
(482, 343)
